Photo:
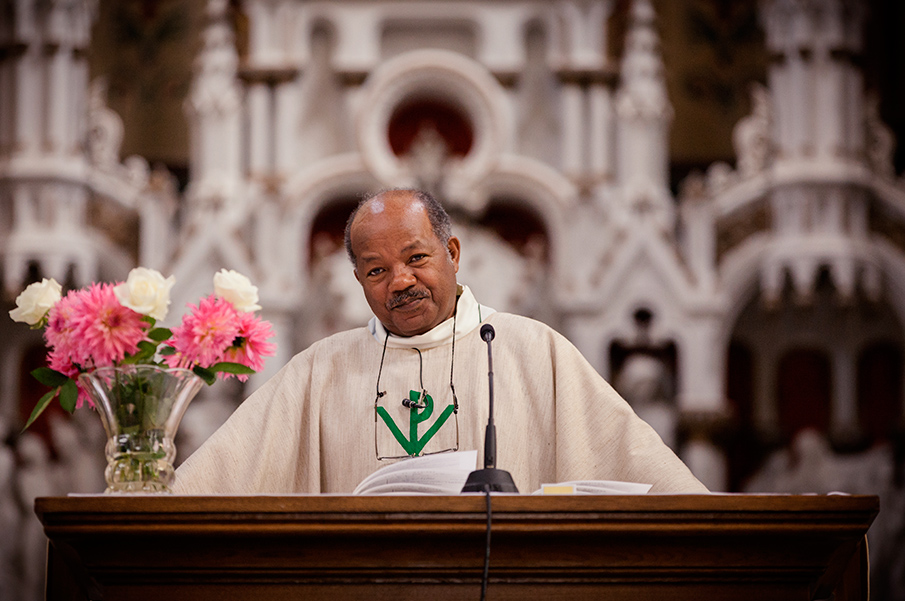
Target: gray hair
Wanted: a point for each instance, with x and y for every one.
(436, 214)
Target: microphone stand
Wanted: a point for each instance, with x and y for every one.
(489, 479)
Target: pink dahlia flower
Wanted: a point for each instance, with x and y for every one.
(205, 333)
(61, 335)
(251, 346)
(105, 331)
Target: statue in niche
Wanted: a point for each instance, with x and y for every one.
(34, 479)
(105, 128)
(644, 381)
(93, 438)
(323, 122)
(427, 159)
(77, 469)
(751, 135)
(538, 126)
(9, 525)
(492, 268)
(881, 142)
(335, 301)
(810, 466)
(533, 297)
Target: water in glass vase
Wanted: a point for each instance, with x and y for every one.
(141, 407)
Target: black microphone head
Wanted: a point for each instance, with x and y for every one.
(487, 332)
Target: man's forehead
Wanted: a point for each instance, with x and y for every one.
(379, 252)
(382, 211)
(394, 201)
(374, 206)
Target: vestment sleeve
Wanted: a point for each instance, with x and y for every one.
(260, 448)
(598, 432)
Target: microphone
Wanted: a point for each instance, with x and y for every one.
(489, 479)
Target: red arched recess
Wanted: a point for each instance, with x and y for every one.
(410, 117)
(803, 391)
(330, 224)
(744, 449)
(517, 224)
(880, 390)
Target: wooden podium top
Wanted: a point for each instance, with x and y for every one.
(638, 547)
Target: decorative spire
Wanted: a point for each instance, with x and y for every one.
(644, 113)
(214, 113)
(644, 84)
(214, 86)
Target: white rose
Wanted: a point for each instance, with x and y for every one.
(36, 300)
(237, 289)
(146, 291)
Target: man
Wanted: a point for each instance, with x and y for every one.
(415, 382)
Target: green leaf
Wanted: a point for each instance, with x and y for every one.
(167, 351)
(69, 394)
(205, 374)
(49, 377)
(145, 351)
(231, 368)
(160, 334)
(40, 407)
(148, 319)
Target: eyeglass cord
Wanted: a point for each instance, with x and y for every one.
(452, 366)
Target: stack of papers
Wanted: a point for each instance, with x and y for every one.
(593, 487)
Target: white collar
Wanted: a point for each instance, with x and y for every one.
(469, 315)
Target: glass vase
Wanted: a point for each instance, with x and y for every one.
(141, 407)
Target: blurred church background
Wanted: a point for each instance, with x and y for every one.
(705, 196)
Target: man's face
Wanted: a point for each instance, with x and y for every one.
(408, 275)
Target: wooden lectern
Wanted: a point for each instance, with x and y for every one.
(663, 547)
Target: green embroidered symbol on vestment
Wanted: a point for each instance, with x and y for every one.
(414, 445)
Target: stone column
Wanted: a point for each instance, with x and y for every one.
(573, 126)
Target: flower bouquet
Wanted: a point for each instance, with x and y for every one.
(106, 350)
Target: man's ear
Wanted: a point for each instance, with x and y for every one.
(355, 271)
(454, 249)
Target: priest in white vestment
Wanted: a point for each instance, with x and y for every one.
(415, 382)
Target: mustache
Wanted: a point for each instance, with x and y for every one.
(405, 296)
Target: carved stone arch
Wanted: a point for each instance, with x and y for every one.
(612, 339)
(739, 276)
(646, 305)
(442, 76)
(307, 194)
(740, 271)
(518, 223)
(543, 190)
(740, 212)
(822, 342)
(327, 228)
